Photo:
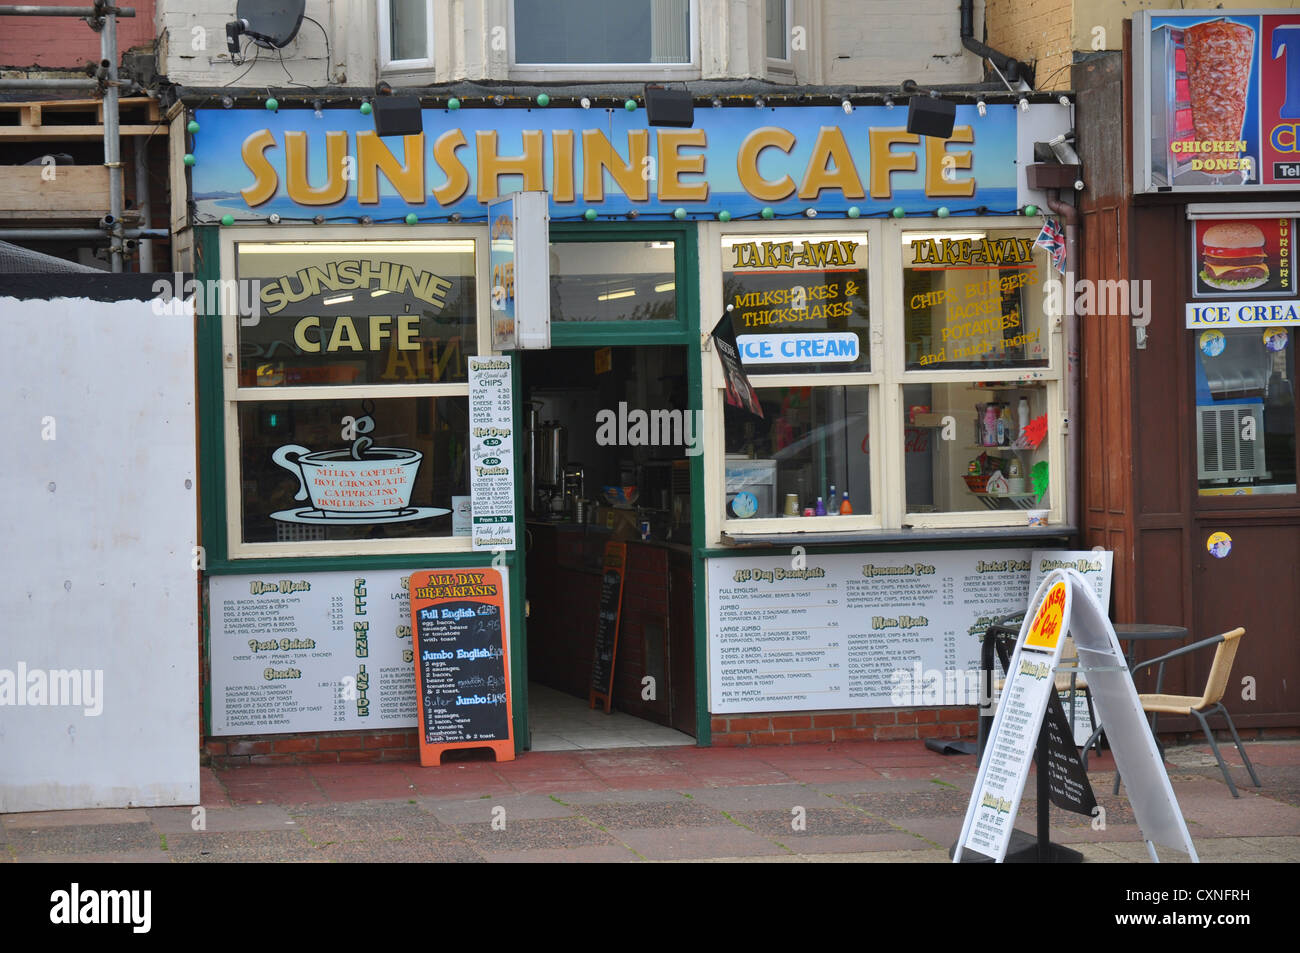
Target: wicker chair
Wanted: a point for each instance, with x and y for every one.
(1207, 703)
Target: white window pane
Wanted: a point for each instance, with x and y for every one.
(408, 29)
(601, 31)
(776, 29)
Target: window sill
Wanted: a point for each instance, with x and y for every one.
(854, 537)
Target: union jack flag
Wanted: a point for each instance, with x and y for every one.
(1052, 239)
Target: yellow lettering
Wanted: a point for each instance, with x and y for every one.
(265, 180)
(335, 188)
(491, 165)
(562, 165)
(885, 161)
(936, 153)
(747, 163)
(598, 157)
(831, 167)
(344, 335)
(672, 164)
(444, 153)
(373, 157)
(300, 335)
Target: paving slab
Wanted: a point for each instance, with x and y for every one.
(756, 797)
(564, 855)
(532, 835)
(255, 817)
(691, 843)
(82, 839)
(514, 807)
(44, 819)
(241, 847)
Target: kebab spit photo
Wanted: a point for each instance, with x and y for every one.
(1219, 55)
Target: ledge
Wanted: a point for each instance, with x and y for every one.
(955, 534)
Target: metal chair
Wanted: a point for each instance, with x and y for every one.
(1200, 707)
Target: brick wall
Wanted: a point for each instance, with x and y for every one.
(316, 748)
(815, 727)
(1035, 31)
(68, 42)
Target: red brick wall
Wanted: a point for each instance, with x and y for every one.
(314, 748)
(903, 724)
(68, 42)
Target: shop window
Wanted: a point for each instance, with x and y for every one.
(935, 347)
(974, 299)
(809, 451)
(406, 34)
(613, 281)
(975, 446)
(1245, 411)
(776, 23)
(347, 395)
(600, 33)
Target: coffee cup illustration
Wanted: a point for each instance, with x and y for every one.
(372, 486)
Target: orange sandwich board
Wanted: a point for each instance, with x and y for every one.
(462, 671)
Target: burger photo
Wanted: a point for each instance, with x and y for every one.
(1233, 258)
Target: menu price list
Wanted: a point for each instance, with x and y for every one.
(312, 652)
(492, 463)
(855, 631)
(462, 671)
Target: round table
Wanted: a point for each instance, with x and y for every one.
(1135, 632)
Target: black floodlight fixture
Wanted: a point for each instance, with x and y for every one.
(927, 115)
(669, 107)
(271, 24)
(398, 116)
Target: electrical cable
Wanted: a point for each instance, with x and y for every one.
(256, 56)
(329, 73)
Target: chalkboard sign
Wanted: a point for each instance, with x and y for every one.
(1067, 781)
(611, 605)
(462, 684)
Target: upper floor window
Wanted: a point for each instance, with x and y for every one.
(406, 34)
(601, 33)
(777, 25)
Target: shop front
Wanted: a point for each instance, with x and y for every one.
(796, 569)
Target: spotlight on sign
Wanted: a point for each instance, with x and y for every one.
(928, 116)
(398, 116)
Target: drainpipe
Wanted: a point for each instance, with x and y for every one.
(1070, 215)
(112, 141)
(1012, 68)
(142, 200)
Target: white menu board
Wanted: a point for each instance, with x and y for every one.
(872, 630)
(326, 651)
(492, 452)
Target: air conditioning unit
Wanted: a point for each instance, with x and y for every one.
(1221, 451)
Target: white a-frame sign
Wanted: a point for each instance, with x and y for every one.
(1065, 603)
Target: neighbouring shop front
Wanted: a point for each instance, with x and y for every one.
(1206, 518)
(796, 570)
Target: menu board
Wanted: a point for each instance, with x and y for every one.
(611, 606)
(462, 673)
(492, 453)
(327, 651)
(1067, 779)
(855, 630)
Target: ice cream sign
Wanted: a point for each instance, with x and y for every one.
(1219, 95)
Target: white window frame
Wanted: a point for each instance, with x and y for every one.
(784, 63)
(386, 62)
(232, 395)
(885, 400)
(632, 72)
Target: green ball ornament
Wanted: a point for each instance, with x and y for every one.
(767, 212)
(1031, 209)
(898, 212)
(227, 220)
(543, 99)
(192, 127)
(412, 218)
(189, 159)
(941, 211)
(679, 213)
(630, 105)
(854, 211)
(367, 109)
(453, 103)
(589, 215)
(724, 216)
(272, 103)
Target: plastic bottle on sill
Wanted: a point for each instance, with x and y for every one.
(846, 508)
(821, 507)
(833, 502)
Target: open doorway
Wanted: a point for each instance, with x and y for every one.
(606, 461)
